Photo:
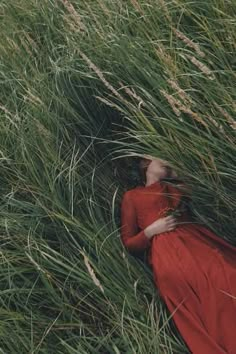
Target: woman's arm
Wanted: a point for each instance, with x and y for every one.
(131, 237)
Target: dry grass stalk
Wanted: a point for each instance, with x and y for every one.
(133, 94)
(13, 45)
(108, 103)
(98, 23)
(9, 115)
(178, 107)
(32, 98)
(137, 6)
(214, 122)
(73, 27)
(37, 266)
(100, 74)
(173, 102)
(180, 92)
(28, 44)
(26, 47)
(193, 115)
(5, 110)
(201, 66)
(233, 125)
(189, 42)
(74, 14)
(170, 65)
(91, 272)
(228, 117)
(31, 41)
(104, 8)
(165, 8)
(42, 130)
(234, 106)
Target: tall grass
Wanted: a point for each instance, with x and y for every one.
(84, 84)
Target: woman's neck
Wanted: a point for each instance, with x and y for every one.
(151, 180)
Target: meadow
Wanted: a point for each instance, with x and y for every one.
(85, 85)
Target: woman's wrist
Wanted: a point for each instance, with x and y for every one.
(148, 232)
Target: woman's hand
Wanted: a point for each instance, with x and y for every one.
(165, 224)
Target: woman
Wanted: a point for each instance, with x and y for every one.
(194, 270)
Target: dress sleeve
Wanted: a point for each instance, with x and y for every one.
(132, 238)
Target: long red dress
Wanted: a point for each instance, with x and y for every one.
(194, 270)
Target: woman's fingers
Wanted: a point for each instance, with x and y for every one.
(172, 227)
(170, 217)
(171, 223)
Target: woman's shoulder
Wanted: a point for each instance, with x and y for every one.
(129, 193)
(134, 189)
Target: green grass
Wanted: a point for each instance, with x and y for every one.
(83, 85)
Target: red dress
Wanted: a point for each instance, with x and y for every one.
(194, 270)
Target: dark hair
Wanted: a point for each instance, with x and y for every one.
(133, 170)
(130, 171)
(142, 165)
(138, 169)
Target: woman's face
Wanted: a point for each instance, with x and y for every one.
(157, 167)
